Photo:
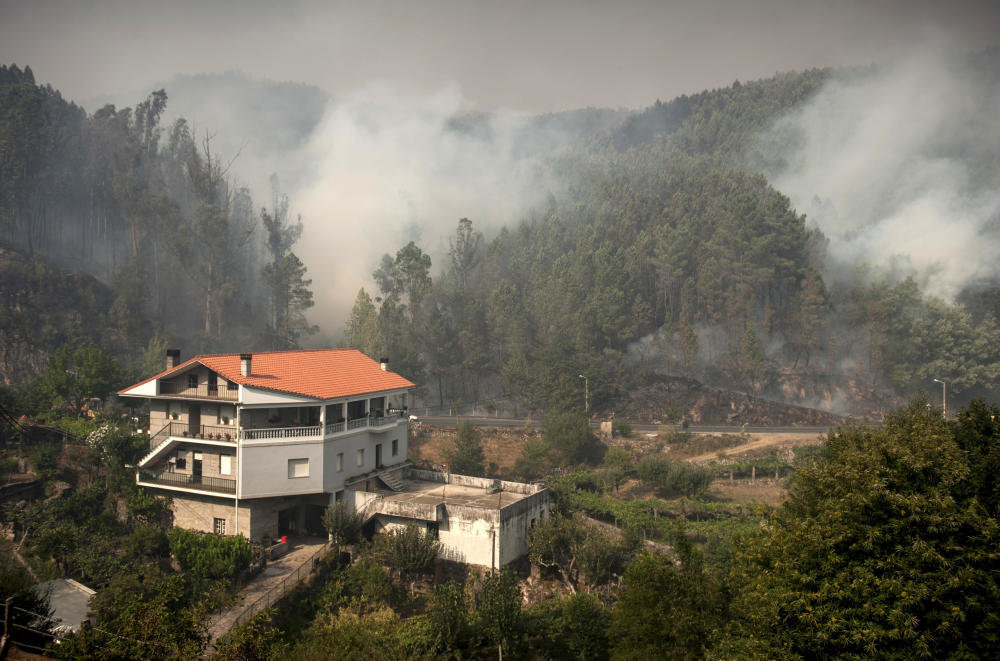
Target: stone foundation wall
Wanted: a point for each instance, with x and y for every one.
(257, 518)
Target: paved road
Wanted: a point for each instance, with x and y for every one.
(483, 421)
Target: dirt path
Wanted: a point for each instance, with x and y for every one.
(762, 441)
(17, 556)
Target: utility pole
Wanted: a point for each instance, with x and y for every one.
(944, 398)
(586, 394)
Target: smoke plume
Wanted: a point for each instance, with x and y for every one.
(896, 165)
(388, 167)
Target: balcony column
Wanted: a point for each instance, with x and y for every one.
(322, 420)
(239, 457)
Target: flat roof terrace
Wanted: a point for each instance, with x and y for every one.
(430, 495)
(423, 492)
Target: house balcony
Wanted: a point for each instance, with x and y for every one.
(181, 388)
(375, 423)
(186, 481)
(176, 429)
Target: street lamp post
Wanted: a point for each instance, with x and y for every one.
(586, 394)
(944, 397)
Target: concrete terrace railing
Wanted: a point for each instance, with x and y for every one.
(523, 488)
(279, 432)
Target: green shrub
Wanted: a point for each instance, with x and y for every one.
(363, 586)
(147, 542)
(210, 557)
(674, 477)
(621, 427)
(569, 434)
(572, 627)
(342, 523)
(499, 608)
(447, 615)
(409, 550)
(466, 455)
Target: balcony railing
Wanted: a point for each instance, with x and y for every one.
(217, 484)
(211, 432)
(383, 420)
(183, 389)
(280, 432)
(330, 429)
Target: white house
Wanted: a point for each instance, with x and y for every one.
(259, 444)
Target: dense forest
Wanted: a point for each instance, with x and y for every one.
(663, 250)
(151, 212)
(669, 251)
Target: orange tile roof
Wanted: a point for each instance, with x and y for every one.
(319, 373)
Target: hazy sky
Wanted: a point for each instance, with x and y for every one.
(524, 55)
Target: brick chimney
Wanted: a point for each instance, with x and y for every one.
(173, 358)
(384, 363)
(245, 363)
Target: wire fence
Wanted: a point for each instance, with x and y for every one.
(272, 596)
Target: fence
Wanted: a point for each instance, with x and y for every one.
(272, 596)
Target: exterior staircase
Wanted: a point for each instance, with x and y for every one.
(164, 437)
(391, 481)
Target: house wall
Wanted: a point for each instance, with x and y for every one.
(197, 512)
(157, 415)
(469, 535)
(212, 414)
(257, 518)
(265, 463)
(210, 460)
(473, 535)
(516, 520)
(265, 468)
(262, 514)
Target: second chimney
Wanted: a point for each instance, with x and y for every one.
(245, 359)
(384, 362)
(173, 358)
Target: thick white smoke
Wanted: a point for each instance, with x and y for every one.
(889, 163)
(388, 167)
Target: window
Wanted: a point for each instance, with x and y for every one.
(225, 464)
(219, 526)
(192, 380)
(340, 461)
(298, 468)
(339, 496)
(395, 446)
(181, 461)
(361, 457)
